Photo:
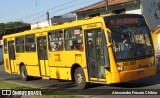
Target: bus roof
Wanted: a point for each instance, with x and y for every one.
(124, 15)
(69, 24)
(59, 26)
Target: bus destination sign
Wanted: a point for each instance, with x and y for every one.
(119, 21)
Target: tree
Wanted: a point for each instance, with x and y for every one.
(15, 24)
(12, 27)
(2, 25)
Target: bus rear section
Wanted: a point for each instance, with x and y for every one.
(132, 48)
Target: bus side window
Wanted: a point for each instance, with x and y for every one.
(20, 44)
(55, 40)
(5, 46)
(73, 39)
(30, 43)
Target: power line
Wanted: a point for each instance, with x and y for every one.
(79, 4)
(37, 18)
(42, 11)
(54, 9)
(69, 7)
(73, 6)
(18, 10)
(47, 10)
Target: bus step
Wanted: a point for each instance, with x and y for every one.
(102, 82)
(43, 77)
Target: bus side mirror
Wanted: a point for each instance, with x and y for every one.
(109, 39)
(108, 34)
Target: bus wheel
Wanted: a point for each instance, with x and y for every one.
(79, 78)
(23, 73)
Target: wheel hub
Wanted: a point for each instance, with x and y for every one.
(79, 78)
(23, 73)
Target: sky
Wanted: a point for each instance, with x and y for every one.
(35, 10)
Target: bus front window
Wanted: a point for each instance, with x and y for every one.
(131, 41)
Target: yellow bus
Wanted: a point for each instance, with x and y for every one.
(105, 50)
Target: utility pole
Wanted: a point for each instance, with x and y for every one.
(36, 3)
(48, 19)
(106, 5)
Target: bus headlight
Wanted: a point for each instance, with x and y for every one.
(151, 64)
(120, 68)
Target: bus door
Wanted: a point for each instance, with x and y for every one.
(12, 60)
(43, 55)
(96, 58)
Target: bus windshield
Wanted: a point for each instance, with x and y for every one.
(131, 41)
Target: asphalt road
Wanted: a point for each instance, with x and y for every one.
(94, 90)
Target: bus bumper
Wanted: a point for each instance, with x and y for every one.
(136, 74)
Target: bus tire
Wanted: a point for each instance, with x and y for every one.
(79, 78)
(24, 74)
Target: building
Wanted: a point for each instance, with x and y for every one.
(52, 21)
(62, 19)
(40, 24)
(149, 8)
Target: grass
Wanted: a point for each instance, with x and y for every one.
(7, 85)
(49, 93)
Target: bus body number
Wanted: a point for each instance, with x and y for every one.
(92, 26)
(40, 34)
(128, 63)
(58, 57)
